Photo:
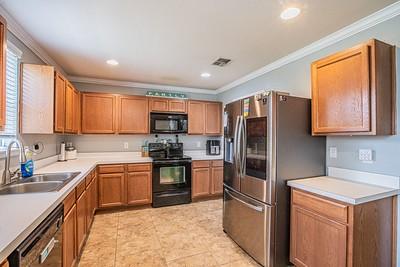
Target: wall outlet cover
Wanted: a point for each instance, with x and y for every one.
(365, 155)
(333, 152)
(126, 145)
(198, 144)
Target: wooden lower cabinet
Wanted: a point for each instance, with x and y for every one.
(207, 178)
(81, 230)
(325, 232)
(111, 189)
(138, 186)
(4, 264)
(69, 238)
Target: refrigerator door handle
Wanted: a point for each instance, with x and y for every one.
(239, 145)
(251, 206)
(235, 144)
(244, 147)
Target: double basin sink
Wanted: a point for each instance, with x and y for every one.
(38, 183)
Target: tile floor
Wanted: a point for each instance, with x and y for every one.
(178, 236)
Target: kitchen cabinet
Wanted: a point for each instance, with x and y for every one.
(69, 108)
(133, 115)
(353, 91)
(204, 118)
(4, 264)
(167, 105)
(98, 113)
(111, 189)
(69, 252)
(325, 232)
(138, 185)
(77, 114)
(81, 229)
(59, 102)
(207, 178)
(36, 99)
(91, 189)
(3, 50)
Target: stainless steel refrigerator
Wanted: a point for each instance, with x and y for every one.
(267, 141)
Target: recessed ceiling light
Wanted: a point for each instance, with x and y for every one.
(112, 62)
(290, 13)
(205, 75)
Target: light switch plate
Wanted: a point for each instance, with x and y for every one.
(365, 155)
(126, 145)
(333, 152)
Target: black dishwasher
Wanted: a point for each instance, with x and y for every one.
(43, 247)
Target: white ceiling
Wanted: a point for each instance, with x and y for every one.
(173, 41)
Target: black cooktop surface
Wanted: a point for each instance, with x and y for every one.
(184, 157)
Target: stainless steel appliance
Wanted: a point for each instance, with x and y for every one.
(213, 147)
(267, 141)
(172, 174)
(168, 123)
(43, 247)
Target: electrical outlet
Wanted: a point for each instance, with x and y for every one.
(126, 145)
(198, 144)
(333, 152)
(365, 155)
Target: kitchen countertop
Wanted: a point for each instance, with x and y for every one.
(22, 213)
(345, 190)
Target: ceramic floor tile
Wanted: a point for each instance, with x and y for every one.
(179, 236)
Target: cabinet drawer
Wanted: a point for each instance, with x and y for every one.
(80, 188)
(139, 167)
(321, 206)
(201, 164)
(69, 202)
(111, 169)
(88, 179)
(217, 163)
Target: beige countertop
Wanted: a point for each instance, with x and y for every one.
(22, 213)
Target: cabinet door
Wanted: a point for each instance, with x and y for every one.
(138, 186)
(77, 112)
(112, 190)
(133, 114)
(341, 92)
(69, 238)
(159, 104)
(177, 105)
(217, 178)
(37, 99)
(98, 113)
(200, 182)
(316, 241)
(89, 204)
(4, 264)
(213, 118)
(69, 108)
(3, 49)
(196, 117)
(81, 229)
(59, 103)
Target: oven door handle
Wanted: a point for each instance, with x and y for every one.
(177, 162)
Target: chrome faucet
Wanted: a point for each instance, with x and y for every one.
(7, 174)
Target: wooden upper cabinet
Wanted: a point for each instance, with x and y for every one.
(159, 104)
(167, 105)
(196, 117)
(69, 108)
(353, 91)
(59, 102)
(213, 118)
(98, 113)
(37, 99)
(133, 115)
(3, 49)
(177, 105)
(77, 112)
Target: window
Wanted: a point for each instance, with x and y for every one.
(12, 68)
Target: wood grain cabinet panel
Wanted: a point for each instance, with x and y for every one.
(217, 180)
(138, 186)
(353, 91)
(213, 118)
(111, 190)
(159, 104)
(59, 102)
(3, 49)
(133, 115)
(81, 228)
(98, 113)
(4, 264)
(196, 117)
(77, 112)
(37, 99)
(69, 108)
(320, 235)
(177, 105)
(200, 182)
(69, 253)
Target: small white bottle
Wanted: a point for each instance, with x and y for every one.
(61, 157)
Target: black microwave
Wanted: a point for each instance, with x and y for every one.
(168, 123)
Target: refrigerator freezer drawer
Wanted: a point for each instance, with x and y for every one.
(248, 223)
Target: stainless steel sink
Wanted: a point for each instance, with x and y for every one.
(39, 183)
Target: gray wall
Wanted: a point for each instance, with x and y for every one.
(295, 79)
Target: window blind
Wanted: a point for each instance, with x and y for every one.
(10, 129)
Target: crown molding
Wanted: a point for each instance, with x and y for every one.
(79, 79)
(14, 27)
(380, 16)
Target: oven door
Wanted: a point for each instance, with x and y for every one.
(171, 175)
(168, 123)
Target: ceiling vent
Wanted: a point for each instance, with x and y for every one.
(221, 62)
